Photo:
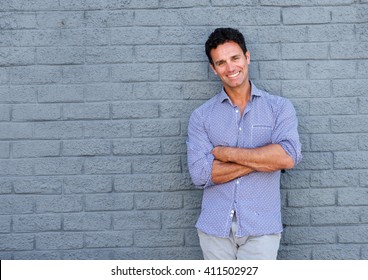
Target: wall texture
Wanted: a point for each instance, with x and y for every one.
(94, 103)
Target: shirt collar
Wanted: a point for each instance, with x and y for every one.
(254, 92)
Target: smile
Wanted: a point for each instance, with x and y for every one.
(234, 75)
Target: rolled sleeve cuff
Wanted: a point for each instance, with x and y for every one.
(293, 152)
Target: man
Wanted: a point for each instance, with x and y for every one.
(238, 143)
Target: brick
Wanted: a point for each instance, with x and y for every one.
(138, 183)
(134, 220)
(4, 150)
(316, 161)
(109, 239)
(354, 197)
(183, 35)
(18, 94)
(174, 145)
(107, 165)
(6, 185)
(155, 128)
(336, 106)
(15, 131)
(24, 5)
(59, 241)
(84, 37)
(58, 130)
(112, 18)
(86, 111)
(334, 179)
(295, 252)
(158, 53)
(234, 3)
(59, 204)
(362, 69)
(87, 221)
(85, 74)
(186, 4)
(335, 216)
(356, 50)
(351, 160)
(133, 110)
(18, 20)
(141, 72)
(104, 54)
(40, 74)
(36, 112)
(87, 184)
(193, 71)
(60, 93)
(311, 197)
(56, 20)
(37, 255)
(108, 202)
(14, 242)
(86, 148)
(103, 92)
(36, 223)
(17, 56)
(158, 201)
(353, 234)
(305, 51)
(346, 124)
(16, 167)
(164, 164)
(306, 89)
(58, 166)
(159, 238)
(107, 129)
(5, 224)
(308, 235)
(154, 91)
(36, 149)
(336, 252)
(86, 254)
(363, 102)
(179, 219)
(296, 217)
(306, 15)
(332, 69)
(288, 70)
(295, 179)
(127, 35)
(60, 56)
(193, 200)
(178, 109)
(333, 142)
(38, 185)
(10, 204)
(364, 179)
(331, 33)
(131, 147)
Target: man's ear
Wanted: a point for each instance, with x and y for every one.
(213, 69)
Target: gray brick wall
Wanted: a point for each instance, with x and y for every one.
(94, 104)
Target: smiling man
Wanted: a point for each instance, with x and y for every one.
(238, 142)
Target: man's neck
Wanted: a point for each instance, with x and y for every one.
(239, 96)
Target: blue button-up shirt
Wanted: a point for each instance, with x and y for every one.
(255, 198)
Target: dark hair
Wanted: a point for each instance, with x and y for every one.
(221, 36)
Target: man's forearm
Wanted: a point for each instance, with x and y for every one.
(223, 172)
(264, 159)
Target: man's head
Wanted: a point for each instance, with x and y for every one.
(221, 36)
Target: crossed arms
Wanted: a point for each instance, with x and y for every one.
(231, 162)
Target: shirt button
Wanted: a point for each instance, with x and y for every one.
(237, 182)
(240, 128)
(236, 111)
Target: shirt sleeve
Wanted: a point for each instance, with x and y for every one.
(199, 150)
(286, 130)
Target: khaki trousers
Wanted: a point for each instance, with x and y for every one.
(264, 247)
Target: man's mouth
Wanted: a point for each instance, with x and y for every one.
(234, 75)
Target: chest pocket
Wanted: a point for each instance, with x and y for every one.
(261, 135)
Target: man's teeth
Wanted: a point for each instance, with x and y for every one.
(234, 75)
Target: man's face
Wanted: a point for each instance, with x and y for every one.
(230, 64)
